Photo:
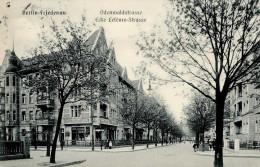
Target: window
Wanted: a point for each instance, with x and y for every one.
(78, 133)
(30, 78)
(38, 114)
(240, 90)
(23, 98)
(72, 111)
(31, 97)
(14, 98)
(14, 115)
(23, 132)
(31, 115)
(23, 116)
(7, 98)
(256, 126)
(239, 112)
(23, 82)
(7, 81)
(8, 115)
(75, 111)
(14, 80)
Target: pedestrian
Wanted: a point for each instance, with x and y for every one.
(110, 144)
(195, 147)
(214, 144)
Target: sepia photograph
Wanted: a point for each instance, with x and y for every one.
(129, 83)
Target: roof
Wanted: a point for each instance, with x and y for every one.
(14, 64)
(91, 40)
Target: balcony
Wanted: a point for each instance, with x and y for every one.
(45, 122)
(11, 123)
(45, 103)
(102, 120)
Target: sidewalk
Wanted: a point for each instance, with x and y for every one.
(231, 153)
(98, 149)
(64, 157)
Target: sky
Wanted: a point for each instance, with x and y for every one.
(20, 29)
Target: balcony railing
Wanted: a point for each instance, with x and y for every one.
(44, 120)
(11, 123)
(102, 120)
(49, 103)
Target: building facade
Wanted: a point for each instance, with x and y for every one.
(245, 109)
(26, 112)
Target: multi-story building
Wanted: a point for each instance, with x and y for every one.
(24, 111)
(244, 107)
(245, 111)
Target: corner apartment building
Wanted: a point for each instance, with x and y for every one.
(24, 111)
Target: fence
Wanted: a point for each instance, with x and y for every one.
(15, 149)
(250, 145)
(11, 147)
(243, 145)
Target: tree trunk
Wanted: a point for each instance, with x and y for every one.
(155, 137)
(54, 145)
(148, 137)
(220, 102)
(197, 137)
(133, 137)
(48, 143)
(167, 135)
(202, 140)
(48, 137)
(162, 137)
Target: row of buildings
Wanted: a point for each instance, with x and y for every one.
(23, 111)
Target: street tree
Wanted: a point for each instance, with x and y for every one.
(160, 116)
(213, 44)
(149, 116)
(67, 68)
(164, 122)
(200, 115)
(132, 111)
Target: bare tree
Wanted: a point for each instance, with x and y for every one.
(213, 44)
(68, 67)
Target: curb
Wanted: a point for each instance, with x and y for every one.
(230, 155)
(62, 164)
